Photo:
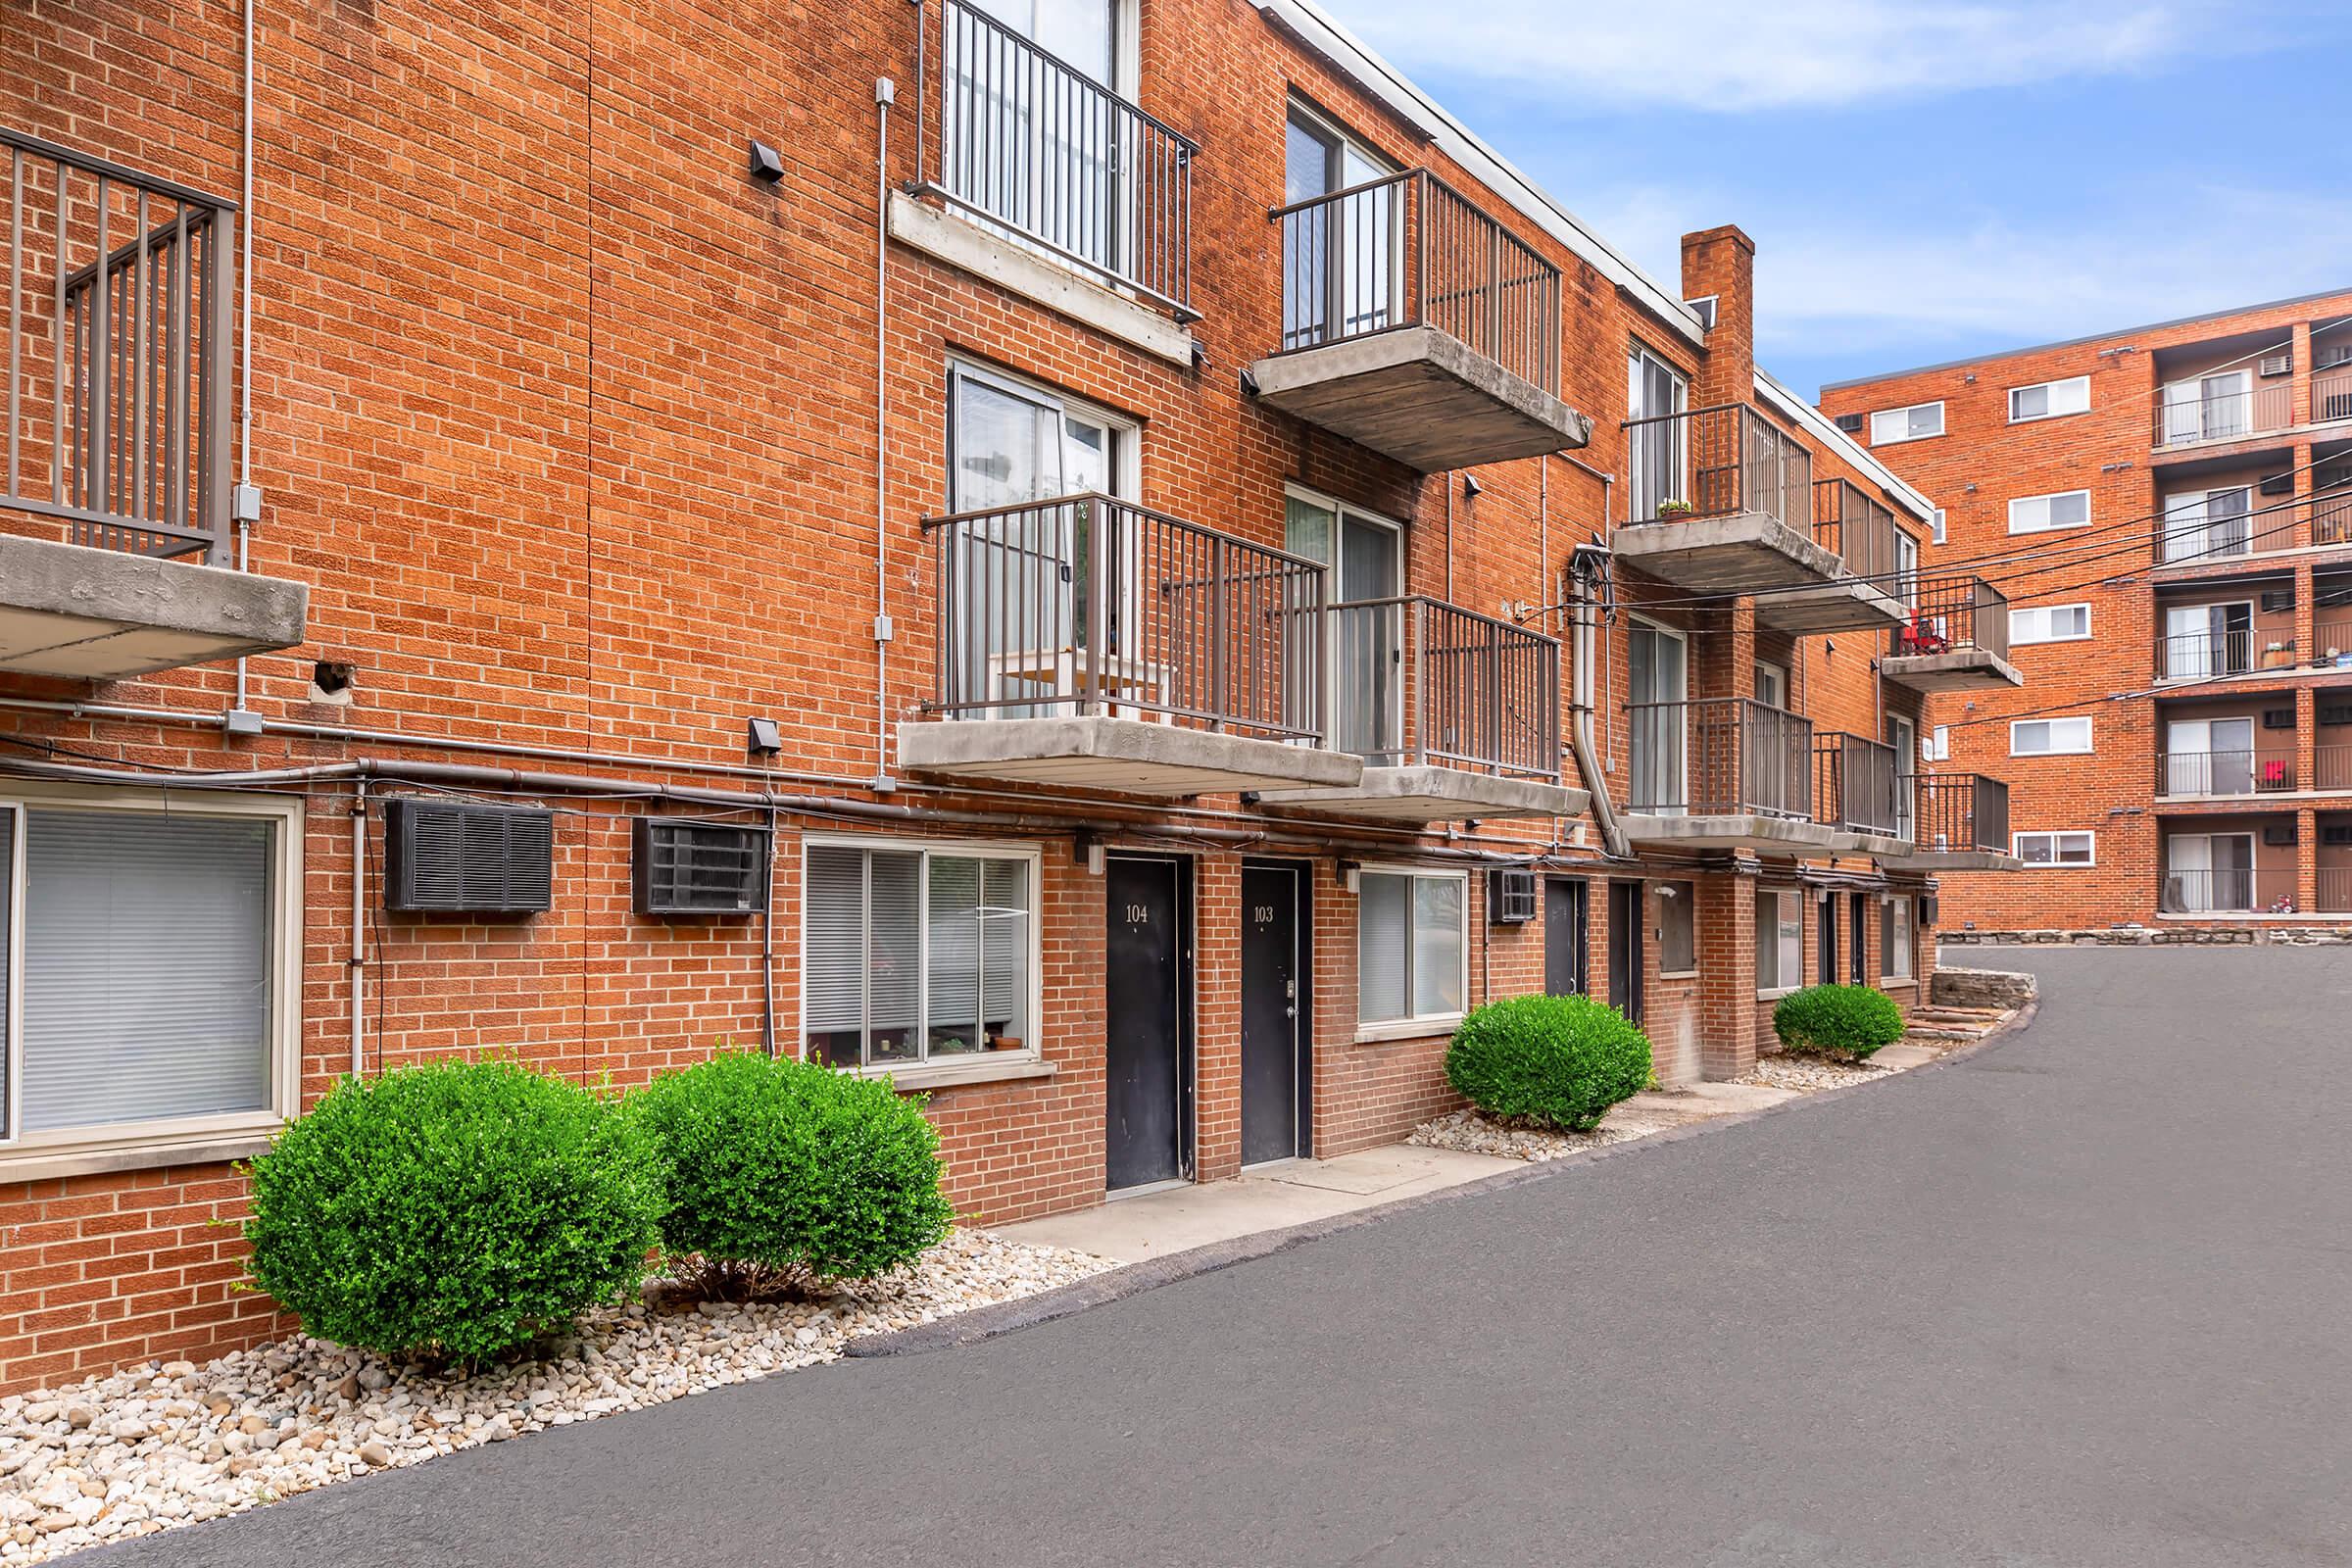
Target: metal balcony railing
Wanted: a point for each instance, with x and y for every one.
(2331, 767)
(1418, 681)
(1092, 605)
(1734, 460)
(2335, 890)
(2331, 510)
(2210, 655)
(1409, 249)
(1953, 615)
(2331, 394)
(1862, 533)
(1963, 811)
(1022, 138)
(2187, 416)
(1855, 785)
(120, 352)
(2268, 771)
(2232, 890)
(1720, 756)
(2331, 641)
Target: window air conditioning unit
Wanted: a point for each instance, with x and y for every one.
(697, 868)
(1927, 912)
(1850, 423)
(2336, 833)
(2275, 833)
(2277, 364)
(2277, 718)
(2338, 714)
(1511, 894)
(2278, 484)
(457, 856)
(2274, 599)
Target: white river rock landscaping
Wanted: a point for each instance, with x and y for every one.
(159, 1446)
(1810, 1075)
(1468, 1132)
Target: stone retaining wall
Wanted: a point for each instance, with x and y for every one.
(1982, 988)
(2154, 937)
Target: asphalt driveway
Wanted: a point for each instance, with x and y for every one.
(2081, 1298)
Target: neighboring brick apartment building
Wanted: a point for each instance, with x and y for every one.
(1059, 578)
(2169, 511)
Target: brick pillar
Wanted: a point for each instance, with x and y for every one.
(2301, 395)
(2298, 522)
(1721, 262)
(1727, 977)
(1216, 1016)
(2307, 730)
(2307, 855)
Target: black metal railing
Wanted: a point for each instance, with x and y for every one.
(2331, 394)
(2331, 767)
(2209, 655)
(1418, 680)
(2267, 771)
(1962, 812)
(2331, 641)
(2228, 890)
(120, 352)
(1409, 249)
(2190, 415)
(2332, 510)
(2334, 890)
(1855, 785)
(1092, 605)
(1717, 461)
(1718, 757)
(1953, 615)
(1861, 532)
(1022, 138)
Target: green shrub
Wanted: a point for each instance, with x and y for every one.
(1845, 1021)
(1559, 1061)
(785, 1176)
(453, 1211)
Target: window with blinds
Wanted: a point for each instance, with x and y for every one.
(911, 955)
(147, 987)
(1780, 940)
(1411, 946)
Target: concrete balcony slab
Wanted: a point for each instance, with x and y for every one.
(83, 614)
(1736, 554)
(1117, 756)
(1961, 670)
(1426, 794)
(1750, 830)
(1422, 397)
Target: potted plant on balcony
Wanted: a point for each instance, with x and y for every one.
(1673, 509)
(2276, 656)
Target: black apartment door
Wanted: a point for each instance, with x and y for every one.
(1564, 937)
(1624, 949)
(1274, 1035)
(1146, 1007)
(1829, 940)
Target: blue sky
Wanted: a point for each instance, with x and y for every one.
(1923, 180)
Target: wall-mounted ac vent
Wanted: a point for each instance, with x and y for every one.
(458, 857)
(698, 868)
(2278, 484)
(2277, 833)
(2277, 718)
(2277, 364)
(2336, 833)
(1511, 894)
(1850, 423)
(2278, 601)
(2337, 713)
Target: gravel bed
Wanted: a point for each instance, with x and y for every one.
(1810, 1075)
(160, 1446)
(1467, 1132)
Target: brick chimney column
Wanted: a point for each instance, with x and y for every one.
(1721, 262)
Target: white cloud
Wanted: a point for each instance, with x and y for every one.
(1739, 55)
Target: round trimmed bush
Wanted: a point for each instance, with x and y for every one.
(785, 1176)
(1558, 1061)
(1845, 1021)
(453, 1211)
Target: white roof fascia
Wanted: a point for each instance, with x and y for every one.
(1846, 446)
(1460, 143)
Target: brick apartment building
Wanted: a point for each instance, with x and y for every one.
(1053, 558)
(2169, 511)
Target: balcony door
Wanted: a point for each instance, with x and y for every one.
(1339, 258)
(2209, 873)
(1659, 454)
(1022, 624)
(2209, 757)
(2204, 640)
(1364, 558)
(1657, 668)
(1903, 735)
(1026, 136)
(2208, 407)
(2208, 522)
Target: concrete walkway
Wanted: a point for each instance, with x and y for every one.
(1296, 1192)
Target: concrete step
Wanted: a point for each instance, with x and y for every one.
(1947, 1031)
(1941, 1014)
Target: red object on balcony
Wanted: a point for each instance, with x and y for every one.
(1921, 638)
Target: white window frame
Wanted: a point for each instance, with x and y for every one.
(1344, 513)
(2051, 387)
(1782, 985)
(1412, 1026)
(1936, 526)
(112, 1146)
(2090, 848)
(2019, 639)
(2045, 525)
(1636, 356)
(1688, 898)
(1939, 745)
(1776, 676)
(1876, 439)
(1126, 460)
(975, 1064)
(1896, 909)
(2090, 735)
